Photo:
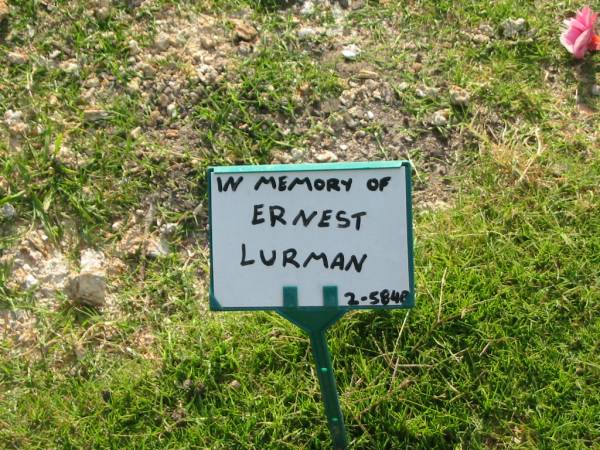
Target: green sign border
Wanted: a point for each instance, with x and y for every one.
(286, 290)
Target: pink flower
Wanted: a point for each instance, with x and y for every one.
(579, 35)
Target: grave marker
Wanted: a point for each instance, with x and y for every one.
(312, 241)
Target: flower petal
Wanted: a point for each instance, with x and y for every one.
(582, 43)
(584, 16)
(570, 35)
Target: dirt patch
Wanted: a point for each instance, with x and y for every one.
(38, 265)
(369, 122)
(18, 327)
(370, 119)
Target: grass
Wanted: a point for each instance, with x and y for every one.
(501, 350)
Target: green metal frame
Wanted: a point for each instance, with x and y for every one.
(315, 324)
(410, 301)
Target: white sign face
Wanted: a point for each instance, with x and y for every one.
(311, 226)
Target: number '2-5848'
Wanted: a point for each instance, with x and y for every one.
(376, 297)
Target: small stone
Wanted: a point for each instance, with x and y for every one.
(172, 133)
(14, 122)
(244, 31)
(136, 132)
(157, 248)
(7, 211)
(429, 91)
(12, 117)
(17, 58)
(30, 281)
(146, 69)
(435, 205)
(164, 100)
(459, 96)
(306, 33)
(357, 112)
(162, 42)
(116, 226)
(368, 75)
(326, 156)
(403, 86)
(280, 158)
(3, 10)
(343, 147)
(350, 122)
(486, 29)
(19, 128)
(95, 115)
(207, 43)
(480, 38)
(245, 48)
(132, 240)
(370, 115)
(102, 13)
(512, 28)
(308, 7)
(134, 47)
(92, 82)
(91, 260)
(440, 118)
(417, 67)
(347, 97)
(337, 123)
(207, 74)
(168, 229)
(68, 158)
(199, 56)
(172, 109)
(89, 286)
(235, 384)
(298, 154)
(351, 52)
(69, 66)
(596, 90)
(155, 118)
(330, 106)
(133, 86)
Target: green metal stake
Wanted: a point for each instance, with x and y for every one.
(315, 324)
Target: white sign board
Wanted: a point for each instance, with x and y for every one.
(310, 226)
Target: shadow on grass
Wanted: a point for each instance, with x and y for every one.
(275, 5)
(585, 73)
(80, 314)
(3, 31)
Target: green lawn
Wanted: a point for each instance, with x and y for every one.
(502, 349)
